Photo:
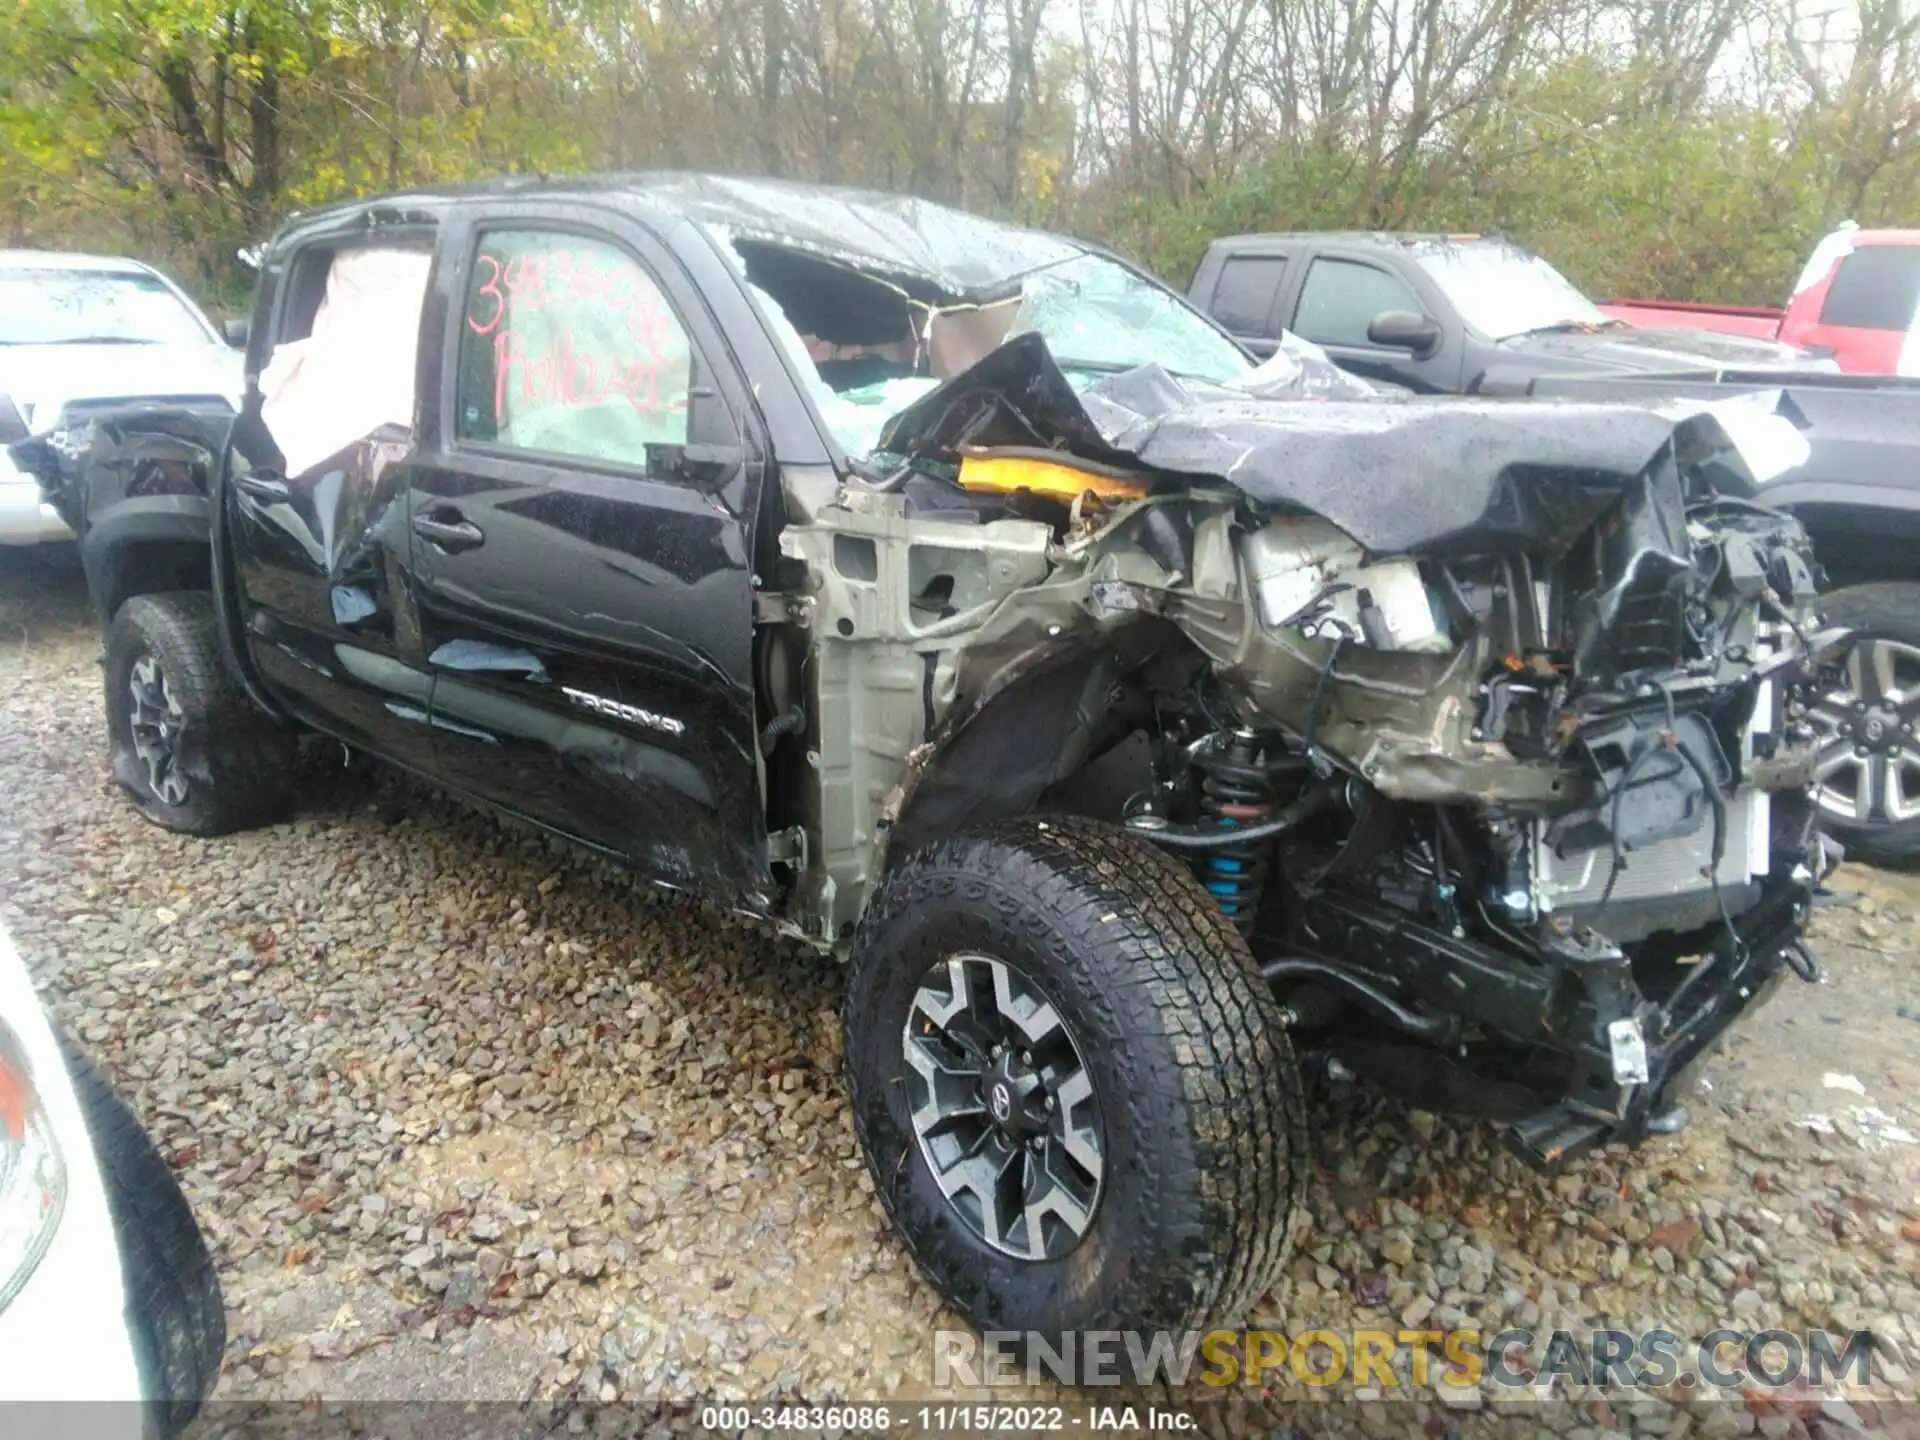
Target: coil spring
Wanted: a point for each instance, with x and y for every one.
(1234, 792)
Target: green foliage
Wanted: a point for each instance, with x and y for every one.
(182, 129)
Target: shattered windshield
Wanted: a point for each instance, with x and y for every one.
(67, 307)
(1099, 317)
(865, 352)
(1503, 291)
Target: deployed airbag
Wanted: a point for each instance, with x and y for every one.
(354, 372)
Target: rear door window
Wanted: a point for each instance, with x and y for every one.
(1243, 296)
(569, 347)
(1341, 297)
(1877, 287)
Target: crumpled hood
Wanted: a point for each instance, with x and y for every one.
(1400, 475)
(41, 378)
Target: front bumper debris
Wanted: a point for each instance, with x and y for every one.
(1610, 1099)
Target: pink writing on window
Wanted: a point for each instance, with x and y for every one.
(562, 375)
(524, 285)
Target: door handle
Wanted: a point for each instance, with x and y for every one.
(448, 531)
(263, 485)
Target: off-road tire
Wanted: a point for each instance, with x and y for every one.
(238, 762)
(1204, 1118)
(175, 1313)
(1888, 610)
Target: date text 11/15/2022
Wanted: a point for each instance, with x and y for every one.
(949, 1419)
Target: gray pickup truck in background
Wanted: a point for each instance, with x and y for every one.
(1444, 314)
(1480, 315)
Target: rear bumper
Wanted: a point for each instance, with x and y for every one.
(26, 519)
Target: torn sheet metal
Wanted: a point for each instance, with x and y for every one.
(1411, 475)
(1300, 370)
(1763, 426)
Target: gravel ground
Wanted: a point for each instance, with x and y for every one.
(466, 1114)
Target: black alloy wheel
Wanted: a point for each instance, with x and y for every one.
(1003, 1107)
(157, 722)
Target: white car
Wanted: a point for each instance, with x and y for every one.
(106, 1289)
(82, 333)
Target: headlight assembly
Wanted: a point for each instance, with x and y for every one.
(33, 1177)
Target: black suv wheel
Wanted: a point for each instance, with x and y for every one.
(1074, 1090)
(1868, 770)
(188, 745)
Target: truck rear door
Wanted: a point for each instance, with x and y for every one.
(1244, 290)
(581, 522)
(315, 485)
(1861, 308)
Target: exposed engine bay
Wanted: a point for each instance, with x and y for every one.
(1481, 721)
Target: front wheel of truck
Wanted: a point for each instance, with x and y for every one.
(1074, 1090)
(188, 746)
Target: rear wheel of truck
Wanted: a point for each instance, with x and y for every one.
(1867, 773)
(188, 746)
(1074, 1090)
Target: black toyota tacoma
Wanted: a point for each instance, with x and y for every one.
(959, 599)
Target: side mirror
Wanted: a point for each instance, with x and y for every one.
(1404, 330)
(705, 466)
(13, 429)
(238, 330)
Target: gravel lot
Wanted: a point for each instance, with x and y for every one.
(466, 1114)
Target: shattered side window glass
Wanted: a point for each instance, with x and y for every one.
(569, 348)
(1098, 316)
(857, 415)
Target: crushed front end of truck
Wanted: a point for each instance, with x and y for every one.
(1483, 721)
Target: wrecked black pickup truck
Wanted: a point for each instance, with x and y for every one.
(958, 598)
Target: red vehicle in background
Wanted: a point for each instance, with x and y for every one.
(1857, 299)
